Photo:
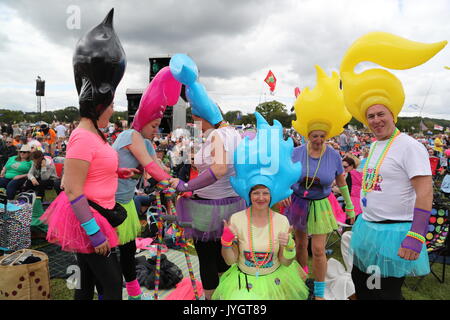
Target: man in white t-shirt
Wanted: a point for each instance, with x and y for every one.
(402, 193)
(388, 239)
(61, 134)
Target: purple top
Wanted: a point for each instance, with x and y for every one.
(330, 168)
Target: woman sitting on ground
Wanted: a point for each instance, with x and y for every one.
(41, 175)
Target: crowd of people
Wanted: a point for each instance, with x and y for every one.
(250, 224)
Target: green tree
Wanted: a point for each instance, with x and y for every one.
(270, 107)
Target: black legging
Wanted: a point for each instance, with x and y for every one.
(40, 188)
(127, 260)
(390, 287)
(103, 270)
(211, 262)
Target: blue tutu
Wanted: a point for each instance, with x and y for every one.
(377, 244)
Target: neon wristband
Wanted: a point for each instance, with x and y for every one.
(319, 289)
(91, 227)
(226, 243)
(291, 244)
(289, 254)
(416, 236)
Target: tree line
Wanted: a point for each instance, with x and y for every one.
(270, 110)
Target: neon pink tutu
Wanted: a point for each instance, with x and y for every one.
(339, 214)
(65, 230)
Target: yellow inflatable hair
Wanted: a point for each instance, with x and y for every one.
(378, 86)
(321, 108)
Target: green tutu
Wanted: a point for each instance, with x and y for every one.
(131, 227)
(284, 283)
(321, 218)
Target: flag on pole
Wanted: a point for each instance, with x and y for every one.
(438, 127)
(271, 80)
(423, 127)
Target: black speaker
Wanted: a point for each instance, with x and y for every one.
(166, 121)
(157, 64)
(133, 105)
(40, 88)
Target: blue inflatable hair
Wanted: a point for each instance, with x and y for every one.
(185, 70)
(265, 160)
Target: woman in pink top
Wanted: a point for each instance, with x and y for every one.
(354, 182)
(91, 167)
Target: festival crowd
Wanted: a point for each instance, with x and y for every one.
(252, 227)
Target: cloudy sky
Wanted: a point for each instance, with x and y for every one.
(234, 43)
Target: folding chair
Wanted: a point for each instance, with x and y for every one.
(438, 243)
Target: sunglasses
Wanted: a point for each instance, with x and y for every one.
(24, 151)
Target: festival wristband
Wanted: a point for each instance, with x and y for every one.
(350, 212)
(97, 239)
(91, 227)
(226, 244)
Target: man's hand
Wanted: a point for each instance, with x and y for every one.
(407, 254)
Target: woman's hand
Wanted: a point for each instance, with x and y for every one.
(34, 182)
(230, 227)
(127, 173)
(104, 249)
(174, 182)
(286, 202)
(283, 237)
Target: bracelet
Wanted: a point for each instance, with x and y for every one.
(289, 254)
(226, 243)
(416, 236)
(91, 227)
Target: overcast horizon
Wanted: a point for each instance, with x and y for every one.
(234, 43)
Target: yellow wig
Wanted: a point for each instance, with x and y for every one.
(378, 86)
(321, 108)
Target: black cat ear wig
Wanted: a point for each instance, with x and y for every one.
(99, 63)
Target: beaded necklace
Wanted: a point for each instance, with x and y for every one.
(259, 263)
(307, 168)
(369, 179)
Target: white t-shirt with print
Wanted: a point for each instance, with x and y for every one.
(394, 197)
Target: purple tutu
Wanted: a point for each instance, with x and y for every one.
(297, 213)
(206, 216)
